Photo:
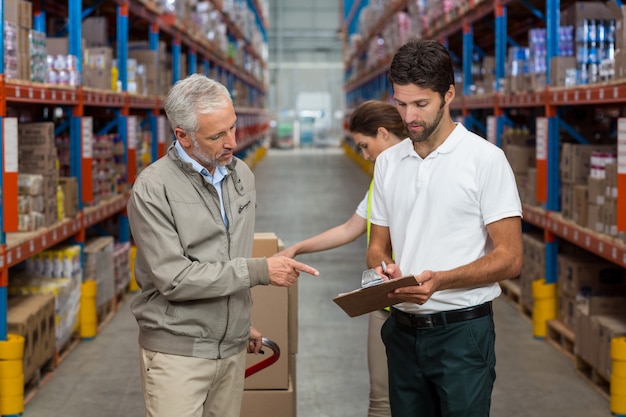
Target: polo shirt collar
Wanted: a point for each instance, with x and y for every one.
(447, 146)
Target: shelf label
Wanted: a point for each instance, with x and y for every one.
(491, 129)
(621, 145)
(132, 132)
(541, 153)
(621, 174)
(542, 138)
(87, 127)
(10, 144)
(10, 180)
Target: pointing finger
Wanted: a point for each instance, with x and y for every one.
(299, 266)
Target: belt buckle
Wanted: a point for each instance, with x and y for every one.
(424, 322)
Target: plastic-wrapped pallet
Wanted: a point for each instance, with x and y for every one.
(121, 259)
(99, 267)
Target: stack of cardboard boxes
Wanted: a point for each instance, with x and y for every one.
(32, 316)
(272, 391)
(575, 170)
(37, 155)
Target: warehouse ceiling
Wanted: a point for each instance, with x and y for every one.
(304, 30)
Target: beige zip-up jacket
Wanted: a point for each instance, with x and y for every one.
(195, 274)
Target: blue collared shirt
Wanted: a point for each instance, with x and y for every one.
(216, 179)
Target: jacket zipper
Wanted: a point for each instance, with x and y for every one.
(219, 353)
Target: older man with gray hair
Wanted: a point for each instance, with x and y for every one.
(192, 216)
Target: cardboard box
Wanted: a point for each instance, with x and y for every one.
(618, 13)
(559, 68)
(32, 316)
(57, 46)
(586, 277)
(567, 202)
(594, 218)
(11, 11)
(520, 157)
(25, 14)
(274, 314)
(270, 312)
(581, 10)
(94, 31)
(575, 164)
(580, 204)
(270, 403)
(606, 327)
(69, 185)
(586, 343)
(597, 190)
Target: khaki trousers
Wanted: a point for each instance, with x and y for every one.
(184, 386)
(377, 364)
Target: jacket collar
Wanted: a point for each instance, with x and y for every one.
(231, 168)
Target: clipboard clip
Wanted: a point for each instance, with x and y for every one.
(370, 277)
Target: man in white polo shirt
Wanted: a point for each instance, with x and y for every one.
(446, 201)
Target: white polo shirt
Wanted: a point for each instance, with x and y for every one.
(437, 209)
(361, 210)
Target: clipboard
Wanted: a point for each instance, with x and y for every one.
(368, 299)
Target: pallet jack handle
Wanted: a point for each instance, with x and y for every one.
(267, 361)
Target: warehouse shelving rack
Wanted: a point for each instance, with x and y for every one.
(456, 30)
(84, 102)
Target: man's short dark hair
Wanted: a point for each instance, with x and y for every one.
(425, 63)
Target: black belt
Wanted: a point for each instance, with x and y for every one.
(428, 321)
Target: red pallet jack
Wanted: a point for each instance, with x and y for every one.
(259, 366)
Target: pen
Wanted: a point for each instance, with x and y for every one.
(384, 266)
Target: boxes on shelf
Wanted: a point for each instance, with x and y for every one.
(99, 267)
(581, 10)
(97, 64)
(69, 186)
(589, 275)
(121, 259)
(95, 31)
(37, 155)
(575, 164)
(580, 204)
(562, 71)
(32, 316)
(55, 271)
(595, 326)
